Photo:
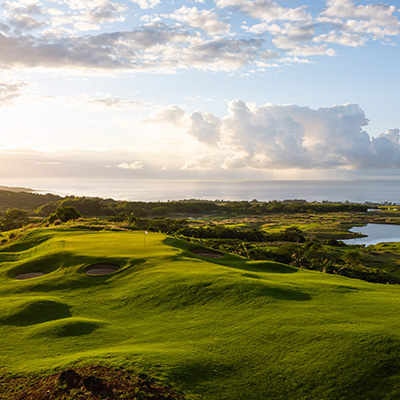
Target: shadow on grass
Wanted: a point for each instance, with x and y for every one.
(31, 312)
(234, 260)
(66, 327)
(192, 373)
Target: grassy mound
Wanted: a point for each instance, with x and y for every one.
(221, 328)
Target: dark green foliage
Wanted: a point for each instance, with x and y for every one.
(89, 206)
(291, 234)
(14, 219)
(334, 242)
(353, 257)
(166, 225)
(94, 206)
(222, 232)
(288, 206)
(64, 214)
(46, 209)
(24, 200)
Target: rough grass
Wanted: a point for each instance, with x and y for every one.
(217, 329)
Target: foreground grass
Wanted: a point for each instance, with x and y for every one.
(215, 328)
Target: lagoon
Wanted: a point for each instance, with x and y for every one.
(376, 233)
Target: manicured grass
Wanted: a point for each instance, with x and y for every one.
(218, 329)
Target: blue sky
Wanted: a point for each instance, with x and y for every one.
(224, 89)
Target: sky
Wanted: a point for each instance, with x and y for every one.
(223, 89)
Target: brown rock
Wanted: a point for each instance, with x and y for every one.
(70, 378)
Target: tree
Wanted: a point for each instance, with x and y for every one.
(14, 219)
(353, 257)
(64, 214)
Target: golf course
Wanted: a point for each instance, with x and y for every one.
(212, 326)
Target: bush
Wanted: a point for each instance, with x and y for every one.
(64, 214)
(14, 219)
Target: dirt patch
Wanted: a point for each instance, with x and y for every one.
(29, 275)
(86, 383)
(207, 253)
(102, 269)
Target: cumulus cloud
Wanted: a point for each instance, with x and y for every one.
(223, 54)
(122, 50)
(266, 10)
(281, 137)
(201, 19)
(205, 127)
(155, 47)
(204, 162)
(28, 15)
(10, 91)
(171, 115)
(133, 165)
(343, 38)
(145, 4)
(62, 34)
(374, 20)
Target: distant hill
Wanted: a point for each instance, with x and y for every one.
(16, 189)
(25, 200)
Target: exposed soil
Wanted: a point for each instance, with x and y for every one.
(29, 275)
(207, 253)
(102, 269)
(89, 383)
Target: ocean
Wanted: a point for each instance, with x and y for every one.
(151, 190)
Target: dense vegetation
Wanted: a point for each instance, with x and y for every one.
(44, 204)
(204, 221)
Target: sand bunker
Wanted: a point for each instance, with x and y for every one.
(207, 253)
(102, 269)
(29, 275)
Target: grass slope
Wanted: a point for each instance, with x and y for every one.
(217, 328)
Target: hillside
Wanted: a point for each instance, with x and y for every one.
(216, 328)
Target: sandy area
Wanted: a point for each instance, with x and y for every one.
(102, 269)
(207, 253)
(29, 275)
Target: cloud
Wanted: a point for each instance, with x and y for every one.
(121, 50)
(60, 35)
(155, 47)
(205, 127)
(171, 115)
(108, 101)
(223, 54)
(282, 137)
(204, 162)
(344, 39)
(201, 19)
(266, 10)
(376, 20)
(145, 4)
(28, 15)
(133, 165)
(10, 91)
(103, 11)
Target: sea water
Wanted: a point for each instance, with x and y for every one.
(162, 190)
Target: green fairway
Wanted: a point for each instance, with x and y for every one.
(219, 329)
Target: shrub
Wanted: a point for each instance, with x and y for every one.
(64, 214)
